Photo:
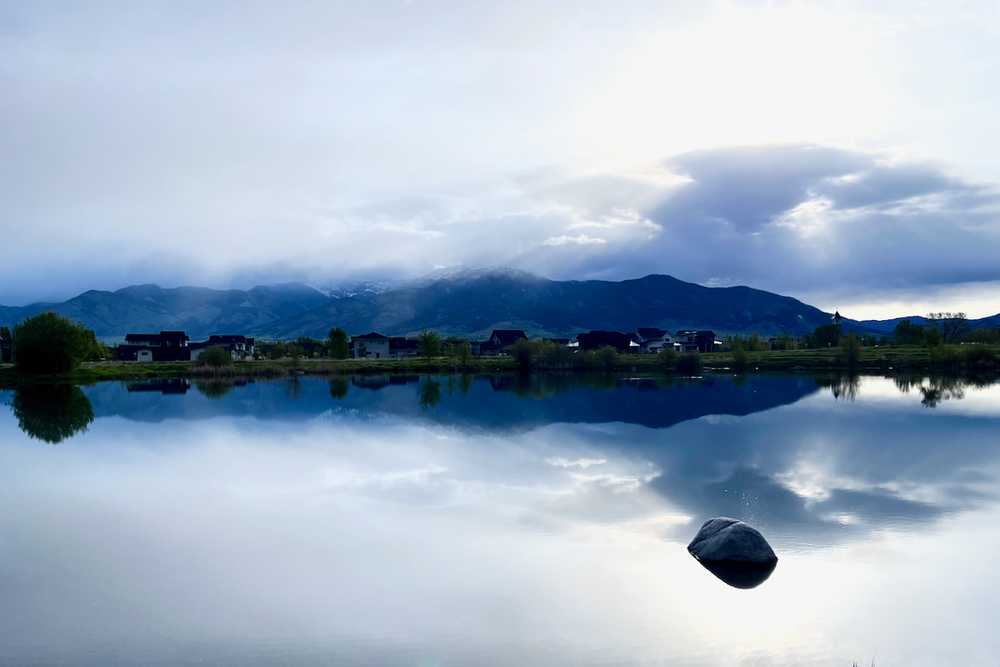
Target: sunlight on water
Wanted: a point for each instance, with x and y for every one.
(497, 520)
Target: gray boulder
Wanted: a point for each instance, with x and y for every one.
(734, 552)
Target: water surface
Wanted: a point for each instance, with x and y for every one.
(497, 520)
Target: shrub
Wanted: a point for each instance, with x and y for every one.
(978, 358)
(741, 360)
(523, 354)
(607, 358)
(689, 364)
(49, 343)
(215, 357)
(667, 359)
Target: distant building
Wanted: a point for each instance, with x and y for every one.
(698, 341)
(238, 347)
(593, 340)
(164, 346)
(400, 347)
(654, 340)
(372, 345)
(500, 340)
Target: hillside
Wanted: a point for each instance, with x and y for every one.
(467, 303)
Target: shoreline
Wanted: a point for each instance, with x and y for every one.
(947, 359)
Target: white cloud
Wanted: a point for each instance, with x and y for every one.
(579, 239)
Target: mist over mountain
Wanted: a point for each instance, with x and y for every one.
(467, 302)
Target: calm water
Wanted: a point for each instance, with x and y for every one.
(456, 521)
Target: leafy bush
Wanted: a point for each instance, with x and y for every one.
(667, 359)
(689, 364)
(977, 358)
(49, 343)
(523, 353)
(215, 357)
(607, 358)
(741, 360)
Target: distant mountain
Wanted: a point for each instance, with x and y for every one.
(198, 310)
(471, 303)
(463, 302)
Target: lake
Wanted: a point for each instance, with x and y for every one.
(398, 520)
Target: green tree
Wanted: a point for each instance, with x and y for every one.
(850, 351)
(49, 343)
(215, 357)
(338, 343)
(827, 335)
(666, 359)
(741, 360)
(951, 325)
(908, 333)
(429, 344)
(524, 354)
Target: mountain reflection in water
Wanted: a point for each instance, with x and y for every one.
(412, 519)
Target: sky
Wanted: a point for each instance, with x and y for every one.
(841, 153)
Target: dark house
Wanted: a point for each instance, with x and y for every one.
(402, 347)
(371, 345)
(650, 333)
(500, 340)
(697, 341)
(593, 340)
(238, 347)
(164, 346)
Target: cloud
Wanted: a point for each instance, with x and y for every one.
(579, 239)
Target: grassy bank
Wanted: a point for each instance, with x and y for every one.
(880, 359)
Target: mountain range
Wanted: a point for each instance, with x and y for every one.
(466, 303)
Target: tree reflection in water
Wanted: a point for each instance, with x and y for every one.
(52, 412)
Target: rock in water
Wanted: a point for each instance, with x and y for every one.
(734, 552)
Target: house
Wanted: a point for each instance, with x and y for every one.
(654, 340)
(372, 345)
(500, 340)
(402, 347)
(164, 346)
(593, 340)
(697, 341)
(239, 347)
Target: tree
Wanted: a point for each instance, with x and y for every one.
(6, 344)
(215, 357)
(850, 351)
(49, 343)
(741, 360)
(338, 343)
(908, 333)
(951, 325)
(429, 344)
(826, 335)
